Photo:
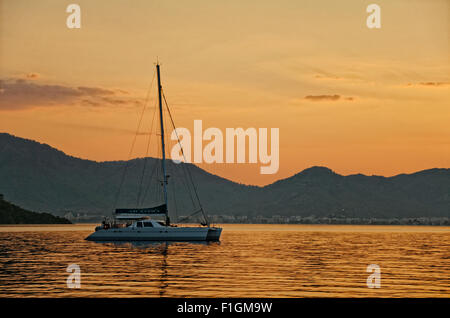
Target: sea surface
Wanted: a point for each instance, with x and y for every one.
(250, 261)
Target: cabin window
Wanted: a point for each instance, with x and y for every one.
(148, 224)
(139, 224)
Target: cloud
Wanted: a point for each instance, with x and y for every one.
(430, 84)
(323, 97)
(32, 75)
(95, 90)
(328, 77)
(333, 98)
(18, 94)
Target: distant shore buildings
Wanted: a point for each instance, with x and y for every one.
(296, 219)
(84, 217)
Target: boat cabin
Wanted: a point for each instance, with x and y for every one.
(147, 223)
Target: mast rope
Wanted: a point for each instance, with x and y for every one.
(134, 141)
(185, 180)
(189, 216)
(150, 184)
(182, 152)
(146, 157)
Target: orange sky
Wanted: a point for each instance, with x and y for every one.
(235, 64)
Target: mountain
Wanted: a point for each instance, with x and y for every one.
(12, 214)
(319, 190)
(41, 178)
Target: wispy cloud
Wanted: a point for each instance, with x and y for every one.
(328, 77)
(94, 91)
(319, 98)
(18, 94)
(429, 84)
(32, 75)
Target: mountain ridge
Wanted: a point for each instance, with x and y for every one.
(42, 178)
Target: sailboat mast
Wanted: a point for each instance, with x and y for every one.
(163, 148)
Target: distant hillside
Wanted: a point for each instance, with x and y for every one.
(41, 178)
(318, 189)
(12, 214)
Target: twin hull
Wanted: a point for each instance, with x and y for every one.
(157, 234)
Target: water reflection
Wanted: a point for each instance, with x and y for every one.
(164, 283)
(153, 244)
(259, 261)
(160, 249)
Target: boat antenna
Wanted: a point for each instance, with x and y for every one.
(161, 121)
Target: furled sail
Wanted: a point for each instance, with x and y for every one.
(160, 209)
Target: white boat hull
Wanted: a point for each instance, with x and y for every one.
(157, 234)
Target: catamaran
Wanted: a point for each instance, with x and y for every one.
(136, 224)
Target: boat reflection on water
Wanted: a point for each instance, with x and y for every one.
(155, 244)
(157, 248)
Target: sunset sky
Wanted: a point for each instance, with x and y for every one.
(354, 99)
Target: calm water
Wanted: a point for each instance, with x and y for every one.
(250, 261)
